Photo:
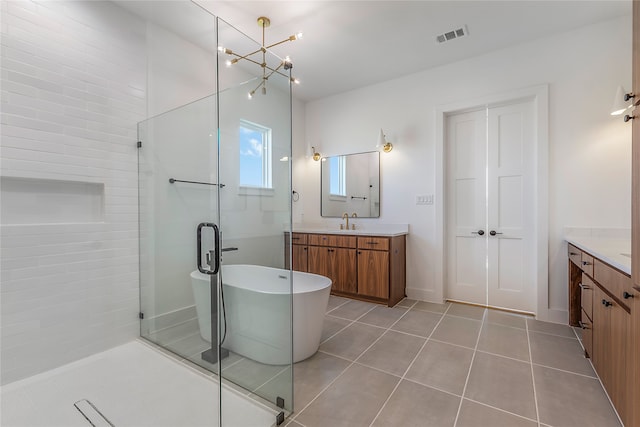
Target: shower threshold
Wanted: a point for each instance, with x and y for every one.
(135, 384)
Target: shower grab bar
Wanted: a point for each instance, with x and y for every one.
(172, 180)
(228, 249)
(356, 197)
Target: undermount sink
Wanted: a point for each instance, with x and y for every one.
(627, 255)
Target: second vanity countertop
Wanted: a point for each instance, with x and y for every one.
(615, 252)
(387, 230)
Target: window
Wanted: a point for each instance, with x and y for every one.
(255, 155)
(337, 181)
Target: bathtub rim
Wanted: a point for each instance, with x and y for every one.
(323, 281)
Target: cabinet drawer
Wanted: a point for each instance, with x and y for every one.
(332, 240)
(299, 238)
(586, 290)
(612, 280)
(376, 243)
(587, 333)
(575, 255)
(587, 264)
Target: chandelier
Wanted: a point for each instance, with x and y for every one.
(267, 71)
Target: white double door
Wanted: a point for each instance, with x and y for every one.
(490, 218)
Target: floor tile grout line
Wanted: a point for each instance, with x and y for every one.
(270, 379)
(354, 361)
(606, 393)
(351, 322)
(410, 365)
(431, 387)
(473, 358)
(338, 306)
(499, 409)
(533, 378)
(343, 371)
(565, 371)
(450, 343)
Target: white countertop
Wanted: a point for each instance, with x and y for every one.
(612, 251)
(383, 230)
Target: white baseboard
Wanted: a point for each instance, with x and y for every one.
(424, 295)
(165, 320)
(553, 316)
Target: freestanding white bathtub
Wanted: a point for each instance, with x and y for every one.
(257, 301)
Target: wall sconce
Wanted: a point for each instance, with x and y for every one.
(311, 152)
(383, 143)
(621, 102)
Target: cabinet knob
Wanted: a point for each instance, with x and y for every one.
(628, 117)
(627, 295)
(628, 96)
(586, 263)
(479, 232)
(573, 253)
(494, 232)
(606, 303)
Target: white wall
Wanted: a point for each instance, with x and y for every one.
(77, 77)
(590, 169)
(73, 88)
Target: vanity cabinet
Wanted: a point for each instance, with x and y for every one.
(601, 301)
(371, 268)
(635, 220)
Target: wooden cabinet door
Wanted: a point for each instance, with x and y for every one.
(318, 261)
(601, 337)
(373, 273)
(343, 264)
(300, 257)
(338, 264)
(618, 359)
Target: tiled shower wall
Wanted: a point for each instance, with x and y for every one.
(73, 89)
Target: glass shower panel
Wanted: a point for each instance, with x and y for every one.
(255, 212)
(177, 176)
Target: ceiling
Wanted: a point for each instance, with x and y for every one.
(351, 44)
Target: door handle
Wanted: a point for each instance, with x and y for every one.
(479, 232)
(494, 232)
(216, 250)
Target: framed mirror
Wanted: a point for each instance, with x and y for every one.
(350, 183)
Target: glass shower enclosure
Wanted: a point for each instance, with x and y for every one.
(214, 204)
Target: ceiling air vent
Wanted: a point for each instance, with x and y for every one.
(452, 35)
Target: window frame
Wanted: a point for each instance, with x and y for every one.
(267, 158)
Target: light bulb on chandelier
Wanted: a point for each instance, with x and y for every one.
(267, 71)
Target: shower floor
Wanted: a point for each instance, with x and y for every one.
(131, 385)
(256, 380)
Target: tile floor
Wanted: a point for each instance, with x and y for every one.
(423, 364)
(417, 364)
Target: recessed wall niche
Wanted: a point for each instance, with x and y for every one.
(41, 201)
